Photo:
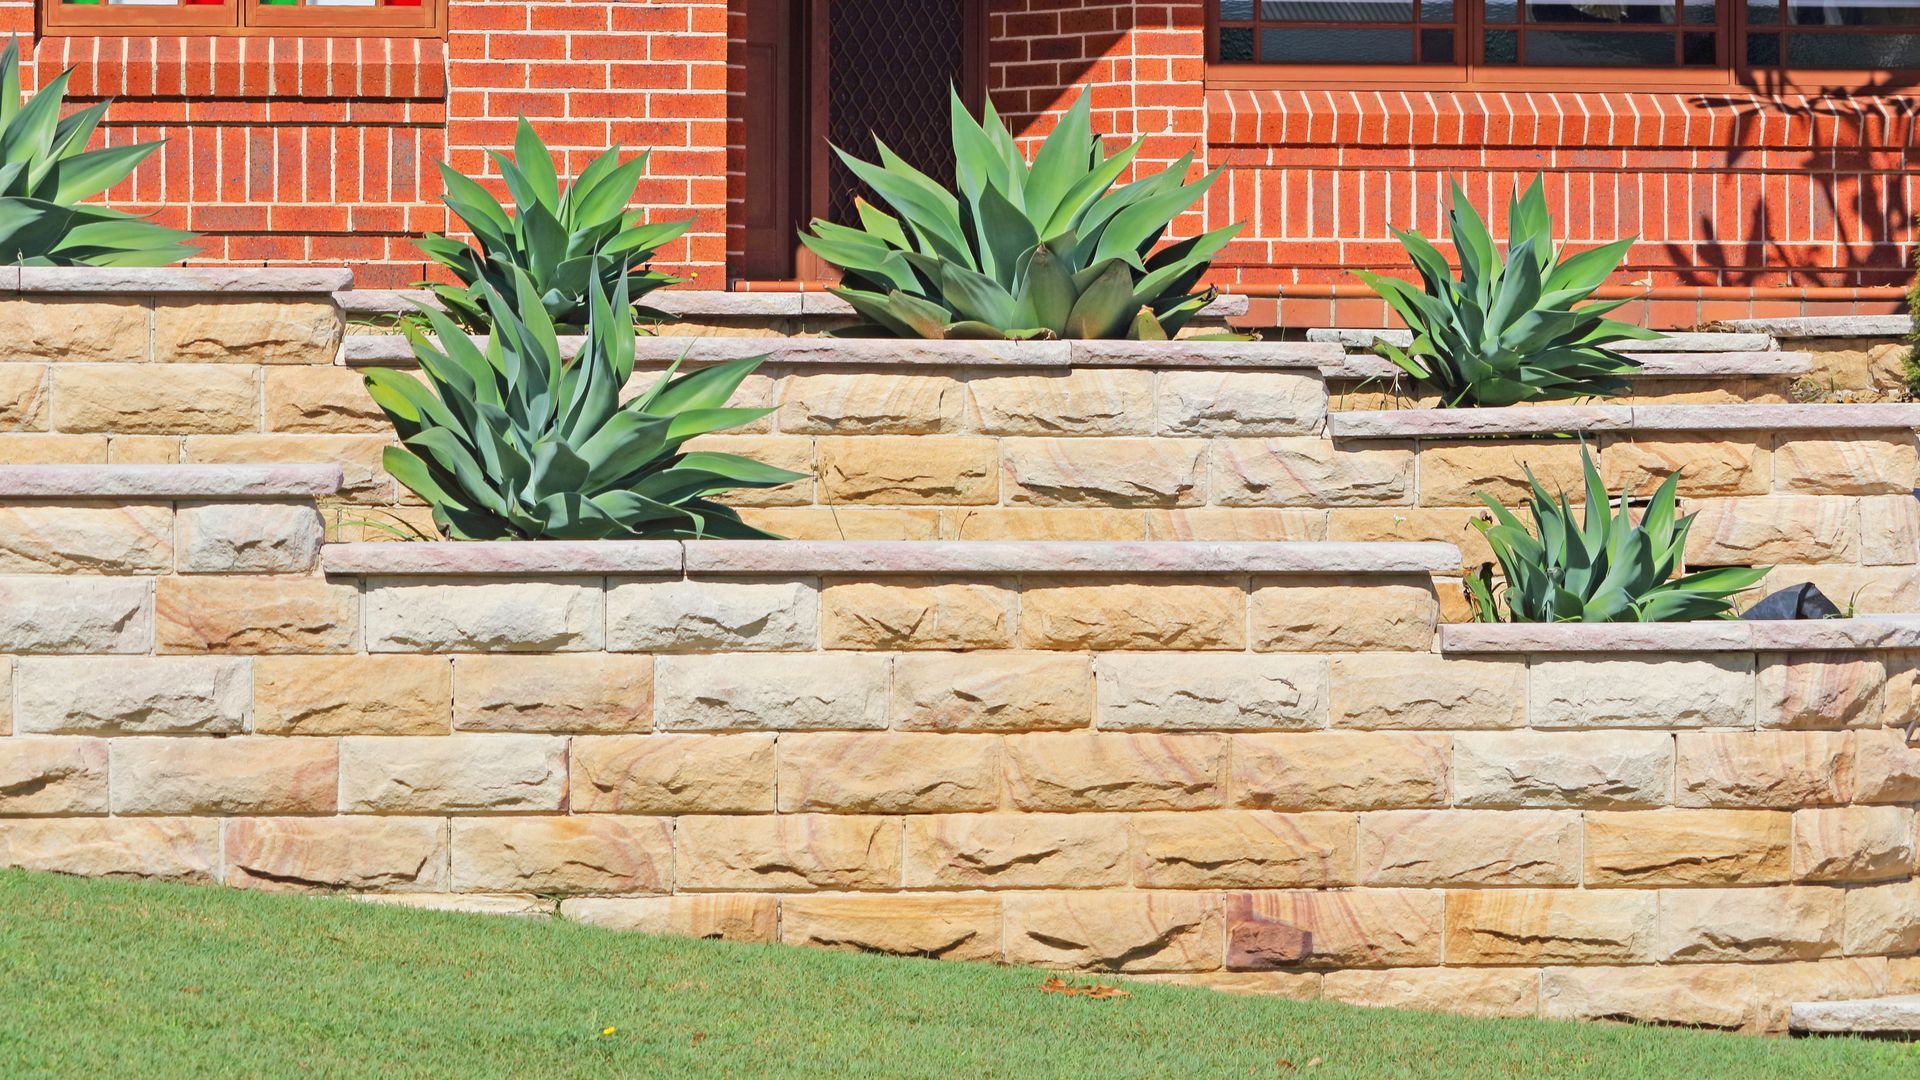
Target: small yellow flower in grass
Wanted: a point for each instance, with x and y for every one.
(608, 1031)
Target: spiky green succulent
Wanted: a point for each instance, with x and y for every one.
(46, 171)
(508, 442)
(1604, 568)
(561, 240)
(1012, 250)
(1512, 330)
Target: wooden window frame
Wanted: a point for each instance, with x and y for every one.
(1731, 70)
(241, 18)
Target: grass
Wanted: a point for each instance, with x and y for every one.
(112, 978)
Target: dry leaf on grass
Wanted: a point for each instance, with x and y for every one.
(1098, 991)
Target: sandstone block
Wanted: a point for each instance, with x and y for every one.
(268, 614)
(1578, 770)
(1242, 849)
(133, 695)
(357, 455)
(1115, 931)
(1889, 530)
(1243, 403)
(30, 449)
(273, 331)
(562, 855)
(1648, 691)
(1409, 524)
(143, 450)
(1849, 464)
(788, 853)
(1237, 523)
(1454, 473)
(721, 918)
(888, 773)
(1187, 692)
(120, 539)
(1312, 472)
(1072, 401)
(75, 615)
(169, 849)
(245, 775)
(1853, 843)
(6, 696)
(1709, 463)
(994, 691)
(1042, 523)
(909, 470)
(1339, 771)
(361, 854)
(870, 402)
(1016, 851)
(53, 776)
(351, 695)
(1788, 923)
(1820, 690)
(410, 615)
(1104, 472)
(586, 692)
(1688, 847)
(917, 613)
(1787, 770)
(319, 400)
(1111, 771)
(442, 774)
(76, 330)
(193, 399)
(1421, 690)
(1886, 767)
(713, 616)
(769, 691)
(1489, 992)
(1773, 530)
(1469, 847)
(249, 538)
(1883, 919)
(1783, 986)
(1343, 614)
(1708, 996)
(1550, 926)
(23, 397)
(939, 927)
(1170, 614)
(672, 774)
(1346, 928)
(847, 522)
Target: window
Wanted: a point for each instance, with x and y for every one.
(316, 17)
(1552, 43)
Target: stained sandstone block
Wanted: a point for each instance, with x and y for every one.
(672, 774)
(1115, 931)
(53, 776)
(1712, 464)
(1550, 926)
(994, 691)
(1189, 692)
(1854, 843)
(270, 331)
(1850, 464)
(320, 401)
(722, 918)
(559, 615)
(888, 773)
(586, 692)
(1311, 472)
(904, 470)
(1345, 928)
(1015, 851)
(23, 398)
(562, 855)
(1648, 691)
(1750, 924)
(941, 927)
(1104, 472)
(1247, 849)
(132, 695)
(1042, 523)
(268, 614)
(1238, 523)
(1773, 530)
(1585, 770)
(1408, 524)
(1343, 614)
(357, 455)
(1469, 847)
(788, 853)
(1688, 847)
(249, 538)
(1170, 614)
(370, 854)
(75, 614)
(351, 695)
(1886, 767)
(437, 774)
(74, 330)
(168, 849)
(130, 399)
(244, 775)
(769, 691)
(1825, 690)
(1113, 771)
(712, 616)
(916, 613)
(120, 539)
(1786, 770)
(1454, 473)
(1421, 690)
(1339, 771)
(847, 522)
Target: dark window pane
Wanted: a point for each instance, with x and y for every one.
(1502, 11)
(1236, 45)
(1436, 46)
(1698, 12)
(1763, 13)
(1323, 46)
(1503, 47)
(1859, 13)
(1630, 13)
(1436, 11)
(1853, 50)
(1696, 50)
(1337, 11)
(1598, 48)
(1236, 10)
(1763, 50)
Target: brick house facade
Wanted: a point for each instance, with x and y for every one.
(294, 146)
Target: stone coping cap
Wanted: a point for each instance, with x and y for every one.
(1672, 365)
(1830, 326)
(1898, 1015)
(883, 557)
(1541, 419)
(168, 481)
(1684, 342)
(1810, 635)
(154, 280)
(375, 349)
(713, 303)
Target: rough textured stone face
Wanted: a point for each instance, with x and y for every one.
(721, 918)
(888, 773)
(249, 538)
(672, 774)
(790, 853)
(770, 692)
(53, 776)
(245, 775)
(255, 615)
(116, 539)
(916, 613)
(1889, 530)
(1174, 615)
(23, 397)
(1364, 928)
(1247, 849)
(370, 854)
(1404, 524)
(1574, 769)
(1820, 690)
(1042, 523)
(1711, 464)
(910, 470)
(494, 616)
(167, 849)
(1336, 614)
(1115, 931)
(135, 399)
(1110, 771)
(1750, 924)
(1469, 847)
(941, 927)
(319, 400)
(1886, 767)
(1340, 771)
(1773, 530)
(711, 616)
(75, 615)
(1181, 692)
(246, 331)
(1645, 692)
(1421, 690)
(1312, 472)
(1705, 996)
(1457, 473)
(873, 403)
(849, 522)
(1861, 464)
(1762, 769)
(1688, 847)
(1104, 472)
(1853, 843)
(1550, 926)
(1013, 851)
(1883, 919)
(1467, 991)
(453, 774)
(996, 691)
(75, 330)
(357, 455)
(1073, 401)
(1241, 403)
(561, 693)
(351, 695)
(1237, 523)
(562, 855)
(172, 695)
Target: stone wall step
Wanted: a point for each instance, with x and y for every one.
(1871, 1016)
(1669, 365)
(168, 481)
(707, 303)
(175, 280)
(1895, 632)
(1829, 326)
(1691, 342)
(1533, 420)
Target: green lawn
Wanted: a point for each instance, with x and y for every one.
(113, 979)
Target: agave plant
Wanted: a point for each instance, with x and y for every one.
(1606, 568)
(45, 172)
(510, 443)
(1019, 251)
(1505, 332)
(561, 240)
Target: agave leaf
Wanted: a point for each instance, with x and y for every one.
(1105, 307)
(1063, 159)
